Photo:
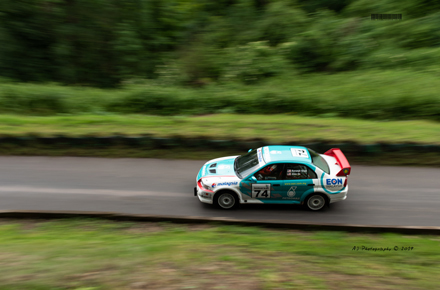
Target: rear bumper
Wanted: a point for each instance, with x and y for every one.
(338, 196)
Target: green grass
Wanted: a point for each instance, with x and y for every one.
(370, 94)
(273, 128)
(92, 254)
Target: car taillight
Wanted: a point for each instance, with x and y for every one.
(346, 181)
(343, 172)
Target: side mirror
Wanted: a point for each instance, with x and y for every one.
(249, 150)
(253, 179)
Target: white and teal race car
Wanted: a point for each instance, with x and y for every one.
(275, 175)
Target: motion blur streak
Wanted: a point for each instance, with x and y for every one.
(377, 196)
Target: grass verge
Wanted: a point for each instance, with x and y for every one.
(93, 254)
(272, 128)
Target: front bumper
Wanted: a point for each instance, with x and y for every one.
(204, 195)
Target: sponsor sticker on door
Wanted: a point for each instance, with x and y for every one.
(291, 192)
(260, 190)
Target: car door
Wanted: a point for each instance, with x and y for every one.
(298, 180)
(266, 186)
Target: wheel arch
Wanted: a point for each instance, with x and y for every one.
(305, 197)
(237, 195)
(217, 196)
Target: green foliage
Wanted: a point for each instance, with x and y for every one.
(32, 99)
(420, 32)
(104, 43)
(281, 22)
(26, 39)
(422, 60)
(409, 8)
(198, 65)
(35, 103)
(314, 49)
(352, 95)
(128, 46)
(85, 42)
(316, 5)
(333, 44)
(39, 102)
(252, 63)
(233, 25)
(201, 65)
(374, 94)
(148, 101)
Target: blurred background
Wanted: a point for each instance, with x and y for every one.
(282, 71)
(309, 57)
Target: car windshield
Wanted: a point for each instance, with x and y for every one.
(319, 161)
(246, 164)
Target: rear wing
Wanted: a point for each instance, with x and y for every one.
(342, 161)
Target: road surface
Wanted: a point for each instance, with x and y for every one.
(402, 196)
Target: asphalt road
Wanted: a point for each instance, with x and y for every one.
(377, 195)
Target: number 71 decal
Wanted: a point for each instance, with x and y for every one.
(260, 190)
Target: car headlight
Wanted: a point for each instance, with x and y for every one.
(205, 186)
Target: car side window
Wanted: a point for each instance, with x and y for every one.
(270, 172)
(299, 171)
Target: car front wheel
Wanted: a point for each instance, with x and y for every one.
(226, 200)
(315, 202)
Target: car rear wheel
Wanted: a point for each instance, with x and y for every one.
(316, 202)
(226, 200)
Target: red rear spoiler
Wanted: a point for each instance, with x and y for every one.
(342, 161)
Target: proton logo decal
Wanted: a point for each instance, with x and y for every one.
(291, 192)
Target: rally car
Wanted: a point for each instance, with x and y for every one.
(275, 175)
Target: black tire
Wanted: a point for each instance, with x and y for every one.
(226, 200)
(315, 202)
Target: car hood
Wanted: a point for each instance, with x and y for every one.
(219, 167)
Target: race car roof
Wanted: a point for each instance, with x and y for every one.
(286, 153)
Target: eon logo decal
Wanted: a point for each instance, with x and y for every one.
(335, 182)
